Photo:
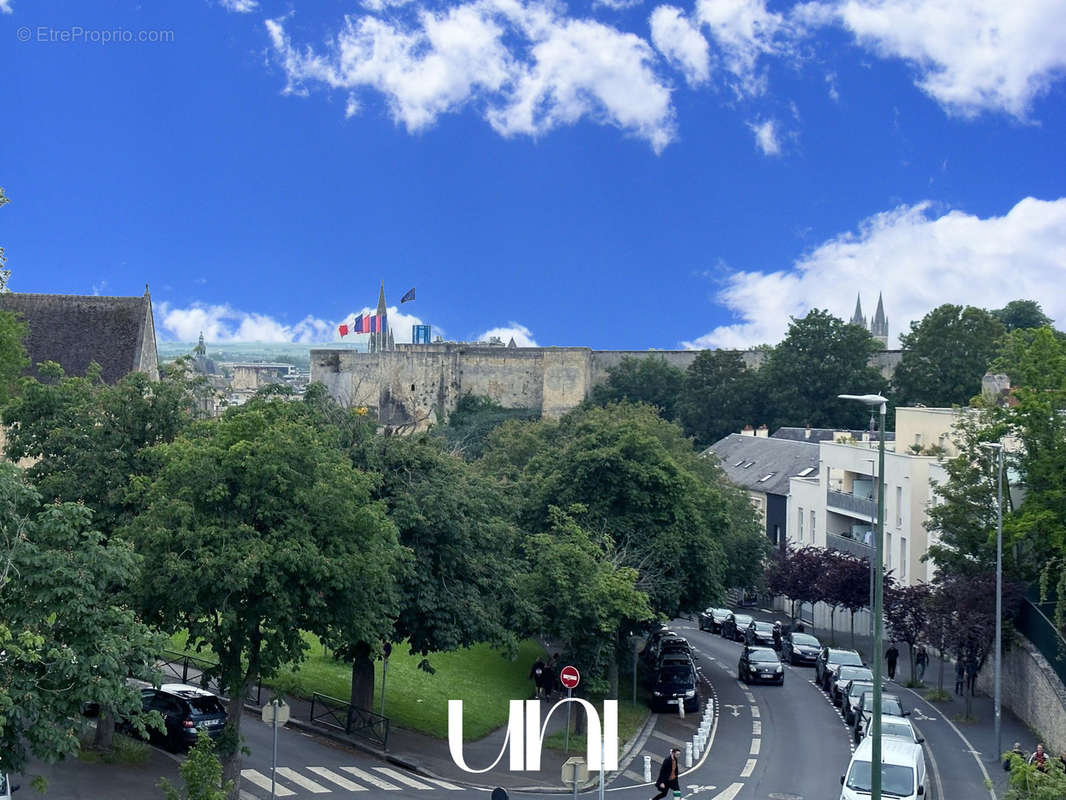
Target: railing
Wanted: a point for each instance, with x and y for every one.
(851, 503)
(844, 544)
(353, 721)
(1035, 625)
(198, 671)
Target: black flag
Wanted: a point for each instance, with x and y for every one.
(409, 296)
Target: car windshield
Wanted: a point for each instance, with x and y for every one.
(889, 704)
(844, 657)
(675, 675)
(848, 673)
(857, 688)
(206, 705)
(762, 654)
(742, 620)
(764, 627)
(720, 612)
(804, 639)
(895, 779)
(898, 729)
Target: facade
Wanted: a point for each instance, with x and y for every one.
(118, 333)
(763, 466)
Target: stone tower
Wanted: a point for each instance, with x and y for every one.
(379, 340)
(857, 318)
(879, 326)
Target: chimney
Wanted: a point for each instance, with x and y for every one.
(807, 432)
(747, 431)
(762, 432)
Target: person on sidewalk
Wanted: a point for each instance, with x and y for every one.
(777, 635)
(1016, 751)
(921, 661)
(1039, 759)
(536, 674)
(892, 656)
(971, 675)
(668, 774)
(960, 674)
(547, 681)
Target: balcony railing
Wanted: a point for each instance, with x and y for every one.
(850, 503)
(846, 545)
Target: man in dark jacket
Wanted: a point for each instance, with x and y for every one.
(668, 775)
(892, 656)
(536, 674)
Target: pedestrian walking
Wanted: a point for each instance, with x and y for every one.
(1039, 759)
(547, 681)
(921, 661)
(536, 674)
(960, 674)
(892, 656)
(668, 774)
(971, 675)
(777, 635)
(1015, 751)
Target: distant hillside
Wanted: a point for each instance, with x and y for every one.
(281, 352)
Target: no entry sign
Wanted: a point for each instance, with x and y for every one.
(569, 677)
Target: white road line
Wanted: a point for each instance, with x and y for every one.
(729, 793)
(340, 780)
(742, 686)
(263, 782)
(373, 780)
(756, 728)
(243, 795)
(451, 787)
(756, 745)
(934, 767)
(972, 749)
(668, 739)
(755, 712)
(633, 776)
(300, 780)
(748, 768)
(396, 775)
(749, 697)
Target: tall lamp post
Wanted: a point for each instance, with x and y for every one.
(876, 400)
(997, 448)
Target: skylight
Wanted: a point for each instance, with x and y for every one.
(803, 473)
(766, 477)
(739, 463)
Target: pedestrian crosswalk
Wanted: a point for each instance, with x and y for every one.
(289, 782)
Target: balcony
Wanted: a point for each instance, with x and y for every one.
(851, 504)
(845, 544)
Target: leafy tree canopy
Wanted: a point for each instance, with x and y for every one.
(474, 418)
(1021, 314)
(719, 396)
(648, 379)
(945, 355)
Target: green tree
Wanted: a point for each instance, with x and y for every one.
(67, 638)
(201, 773)
(1021, 314)
(1029, 782)
(719, 396)
(1034, 358)
(945, 355)
(820, 357)
(474, 418)
(257, 527)
(648, 379)
(907, 616)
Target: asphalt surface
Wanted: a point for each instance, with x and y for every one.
(769, 743)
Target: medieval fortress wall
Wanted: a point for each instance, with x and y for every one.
(418, 385)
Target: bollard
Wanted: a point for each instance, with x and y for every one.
(647, 769)
(695, 746)
(688, 755)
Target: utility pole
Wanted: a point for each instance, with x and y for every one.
(997, 665)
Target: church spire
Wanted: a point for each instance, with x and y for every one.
(382, 334)
(857, 318)
(879, 326)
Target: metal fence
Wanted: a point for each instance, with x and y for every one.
(198, 671)
(1034, 623)
(353, 721)
(854, 504)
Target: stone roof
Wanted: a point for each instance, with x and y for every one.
(765, 464)
(75, 330)
(827, 434)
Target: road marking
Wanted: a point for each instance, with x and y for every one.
(749, 697)
(340, 780)
(756, 745)
(373, 780)
(243, 795)
(756, 728)
(399, 776)
(442, 784)
(729, 793)
(300, 780)
(748, 768)
(742, 686)
(755, 712)
(668, 739)
(965, 741)
(935, 768)
(633, 776)
(263, 782)
(736, 709)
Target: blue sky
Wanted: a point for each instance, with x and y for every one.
(615, 174)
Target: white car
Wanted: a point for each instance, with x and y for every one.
(899, 728)
(902, 771)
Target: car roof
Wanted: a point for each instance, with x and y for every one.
(840, 651)
(893, 751)
(763, 622)
(185, 690)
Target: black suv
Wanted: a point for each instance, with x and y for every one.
(760, 664)
(829, 660)
(712, 619)
(800, 648)
(760, 633)
(675, 683)
(890, 707)
(735, 626)
(186, 710)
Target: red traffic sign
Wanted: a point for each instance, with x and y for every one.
(569, 677)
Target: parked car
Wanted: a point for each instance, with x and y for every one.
(651, 650)
(674, 645)
(800, 648)
(683, 659)
(903, 775)
(852, 692)
(186, 710)
(760, 664)
(735, 625)
(829, 660)
(675, 683)
(890, 707)
(760, 633)
(712, 619)
(845, 673)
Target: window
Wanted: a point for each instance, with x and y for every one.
(899, 506)
(812, 524)
(888, 551)
(803, 473)
(902, 558)
(800, 518)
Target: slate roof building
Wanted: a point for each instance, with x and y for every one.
(118, 333)
(764, 466)
(810, 434)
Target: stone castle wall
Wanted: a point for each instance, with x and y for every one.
(418, 385)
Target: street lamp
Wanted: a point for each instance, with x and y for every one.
(997, 447)
(877, 400)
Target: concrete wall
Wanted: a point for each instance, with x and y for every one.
(1032, 690)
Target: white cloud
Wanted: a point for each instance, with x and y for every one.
(918, 260)
(399, 323)
(971, 55)
(223, 323)
(240, 6)
(5, 7)
(743, 31)
(523, 336)
(766, 137)
(681, 43)
(524, 67)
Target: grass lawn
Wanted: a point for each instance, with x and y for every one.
(479, 676)
(630, 719)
